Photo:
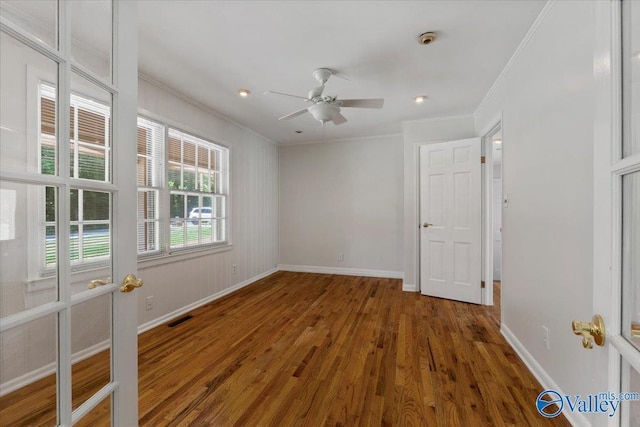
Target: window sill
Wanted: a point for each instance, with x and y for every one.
(181, 255)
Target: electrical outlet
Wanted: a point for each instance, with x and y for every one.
(545, 338)
(340, 257)
(235, 268)
(148, 303)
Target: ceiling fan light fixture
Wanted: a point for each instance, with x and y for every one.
(324, 112)
(244, 92)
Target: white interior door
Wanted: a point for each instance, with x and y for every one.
(68, 80)
(450, 220)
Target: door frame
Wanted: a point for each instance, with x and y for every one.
(487, 209)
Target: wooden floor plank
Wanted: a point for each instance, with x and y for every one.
(301, 349)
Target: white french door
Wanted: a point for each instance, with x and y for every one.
(450, 220)
(617, 201)
(68, 84)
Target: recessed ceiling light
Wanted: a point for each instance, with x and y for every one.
(427, 38)
(497, 141)
(244, 92)
(419, 99)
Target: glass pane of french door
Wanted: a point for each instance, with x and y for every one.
(29, 372)
(630, 258)
(39, 18)
(630, 409)
(631, 77)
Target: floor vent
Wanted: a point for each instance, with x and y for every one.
(180, 320)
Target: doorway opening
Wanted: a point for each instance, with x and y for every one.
(492, 212)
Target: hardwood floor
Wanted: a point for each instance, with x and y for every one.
(323, 350)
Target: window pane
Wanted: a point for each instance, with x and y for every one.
(91, 331)
(175, 180)
(28, 245)
(91, 163)
(630, 257)
(91, 140)
(189, 177)
(177, 206)
(219, 232)
(47, 134)
(147, 224)
(50, 246)
(91, 39)
(177, 233)
(218, 207)
(95, 206)
(74, 243)
(96, 241)
(631, 78)
(203, 158)
(206, 231)
(39, 18)
(23, 145)
(29, 351)
(74, 205)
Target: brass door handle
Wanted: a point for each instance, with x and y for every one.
(130, 282)
(590, 331)
(635, 330)
(426, 225)
(98, 282)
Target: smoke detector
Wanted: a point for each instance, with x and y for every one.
(426, 38)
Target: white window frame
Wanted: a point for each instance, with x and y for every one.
(221, 193)
(47, 90)
(157, 159)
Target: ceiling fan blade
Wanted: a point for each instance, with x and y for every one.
(286, 94)
(362, 103)
(292, 115)
(339, 119)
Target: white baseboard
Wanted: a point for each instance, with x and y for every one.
(541, 375)
(342, 271)
(30, 377)
(409, 287)
(187, 308)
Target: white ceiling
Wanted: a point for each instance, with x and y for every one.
(208, 50)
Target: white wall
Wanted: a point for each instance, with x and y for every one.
(546, 97)
(342, 197)
(416, 133)
(254, 210)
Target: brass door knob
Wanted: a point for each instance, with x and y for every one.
(590, 331)
(426, 225)
(130, 282)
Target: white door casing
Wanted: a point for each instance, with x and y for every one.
(450, 220)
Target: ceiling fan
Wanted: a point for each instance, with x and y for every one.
(327, 108)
